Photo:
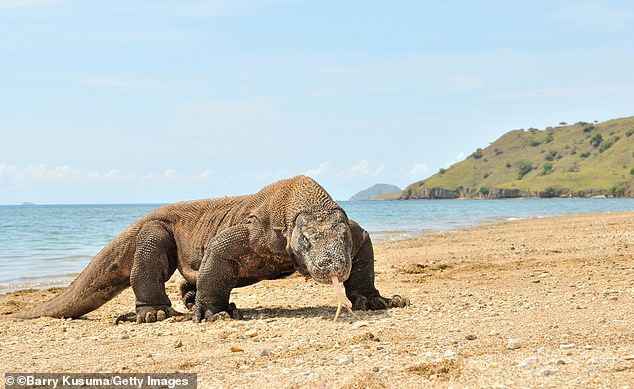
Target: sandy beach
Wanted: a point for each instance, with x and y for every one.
(531, 303)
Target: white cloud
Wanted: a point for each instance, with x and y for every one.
(324, 169)
(41, 174)
(62, 174)
(149, 177)
(459, 158)
(170, 173)
(112, 174)
(419, 170)
(38, 173)
(173, 176)
(365, 169)
(204, 175)
(32, 172)
(362, 170)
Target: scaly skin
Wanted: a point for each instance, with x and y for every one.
(219, 244)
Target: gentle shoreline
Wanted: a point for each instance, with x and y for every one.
(529, 303)
(58, 240)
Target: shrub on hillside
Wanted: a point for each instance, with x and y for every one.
(616, 191)
(596, 140)
(588, 127)
(548, 168)
(549, 138)
(552, 155)
(525, 168)
(550, 192)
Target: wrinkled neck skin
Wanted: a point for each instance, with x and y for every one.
(320, 245)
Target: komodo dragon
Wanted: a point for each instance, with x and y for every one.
(219, 244)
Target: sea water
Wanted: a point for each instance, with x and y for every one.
(48, 245)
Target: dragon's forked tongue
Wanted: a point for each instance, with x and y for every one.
(342, 300)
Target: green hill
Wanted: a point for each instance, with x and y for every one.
(583, 159)
(378, 192)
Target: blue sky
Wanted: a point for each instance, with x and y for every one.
(161, 101)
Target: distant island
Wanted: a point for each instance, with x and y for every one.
(378, 192)
(578, 160)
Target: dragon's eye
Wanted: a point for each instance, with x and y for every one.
(306, 241)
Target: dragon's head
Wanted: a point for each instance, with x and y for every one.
(321, 244)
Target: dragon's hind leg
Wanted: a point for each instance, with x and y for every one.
(154, 263)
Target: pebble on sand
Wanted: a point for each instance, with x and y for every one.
(513, 344)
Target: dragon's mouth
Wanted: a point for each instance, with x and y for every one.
(326, 277)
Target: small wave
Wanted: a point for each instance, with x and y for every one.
(38, 277)
(395, 235)
(7, 288)
(36, 282)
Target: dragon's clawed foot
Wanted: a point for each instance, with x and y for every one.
(202, 313)
(188, 294)
(151, 315)
(398, 301)
(363, 303)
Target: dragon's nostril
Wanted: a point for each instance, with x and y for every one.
(320, 264)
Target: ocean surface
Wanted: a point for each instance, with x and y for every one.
(48, 245)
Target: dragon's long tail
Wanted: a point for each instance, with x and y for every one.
(107, 274)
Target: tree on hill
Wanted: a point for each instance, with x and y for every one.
(525, 168)
(596, 140)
